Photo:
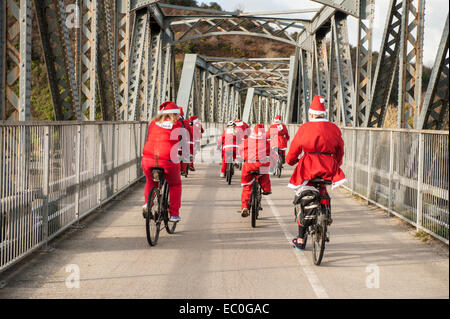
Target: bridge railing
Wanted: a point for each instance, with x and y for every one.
(54, 174)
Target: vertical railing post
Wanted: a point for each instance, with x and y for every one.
(369, 165)
(78, 174)
(391, 169)
(45, 185)
(353, 159)
(130, 148)
(116, 157)
(419, 181)
(100, 166)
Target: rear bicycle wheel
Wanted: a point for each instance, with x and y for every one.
(153, 218)
(229, 172)
(255, 203)
(279, 168)
(170, 226)
(319, 238)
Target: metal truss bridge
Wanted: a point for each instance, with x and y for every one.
(111, 63)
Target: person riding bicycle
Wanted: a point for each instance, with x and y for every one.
(161, 150)
(227, 143)
(187, 153)
(256, 153)
(197, 130)
(242, 130)
(323, 147)
(278, 136)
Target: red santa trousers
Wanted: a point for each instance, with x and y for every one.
(173, 179)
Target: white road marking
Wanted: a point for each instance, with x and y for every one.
(314, 281)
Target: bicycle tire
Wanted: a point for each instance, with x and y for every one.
(279, 168)
(170, 226)
(319, 238)
(255, 205)
(153, 218)
(229, 172)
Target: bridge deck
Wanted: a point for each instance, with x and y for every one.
(216, 254)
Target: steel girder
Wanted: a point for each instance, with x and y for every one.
(139, 41)
(434, 113)
(122, 41)
(107, 72)
(344, 70)
(410, 63)
(218, 23)
(363, 73)
(51, 17)
(16, 19)
(401, 51)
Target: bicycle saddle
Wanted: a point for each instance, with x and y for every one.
(254, 172)
(157, 173)
(318, 180)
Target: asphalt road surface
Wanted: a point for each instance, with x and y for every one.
(215, 253)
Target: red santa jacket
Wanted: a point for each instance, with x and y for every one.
(278, 133)
(242, 131)
(322, 136)
(190, 138)
(255, 149)
(227, 142)
(162, 141)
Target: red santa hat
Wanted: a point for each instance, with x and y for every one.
(181, 111)
(317, 106)
(168, 107)
(193, 118)
(238, 122)
(259, 130)
(277, 119)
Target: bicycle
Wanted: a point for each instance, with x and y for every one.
(255, 198)
(230, 167)
(279, 168)
(319, 226)
(158, 208)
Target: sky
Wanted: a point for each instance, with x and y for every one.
(435, 14)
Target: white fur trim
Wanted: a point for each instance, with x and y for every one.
(318, 120)
(176, 111)
(168, 125)
(338, 183)
(295, 187)
(251, 182)
(239, 123)
(316, 112)
(322, 100)
(228, 146)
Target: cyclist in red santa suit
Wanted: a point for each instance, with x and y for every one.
(227, 143)
(188, 152)
(256, 153)
(161, 150)
(278, 136)
(323, 149)
(197, 130)
(242, 130)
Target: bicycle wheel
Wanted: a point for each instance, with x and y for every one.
(229, 172)
(279, 168)
(255, 203)
(153, 218)
(170, 226)
(319, 238)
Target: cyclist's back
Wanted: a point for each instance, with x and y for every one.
(161, 150)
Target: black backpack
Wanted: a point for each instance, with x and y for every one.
(307, 205)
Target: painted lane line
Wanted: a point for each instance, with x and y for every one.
(307, 268)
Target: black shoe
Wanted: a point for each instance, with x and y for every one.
(268, 193)
(297, 245)
(245, 212)
(329, 221)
